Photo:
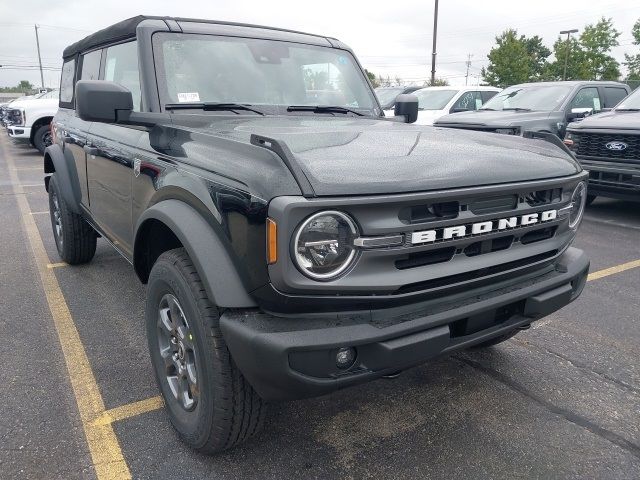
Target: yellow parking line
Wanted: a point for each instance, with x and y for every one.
(56, 265)
(39, 167)
(613, 270)
(129, 410)
(39, 213)
(103, 444)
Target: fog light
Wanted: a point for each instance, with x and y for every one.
(345, 357)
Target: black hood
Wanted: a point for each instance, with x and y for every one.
(609, 121)
(493, 118)
(358, 156)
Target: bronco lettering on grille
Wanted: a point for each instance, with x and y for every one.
(459, 231)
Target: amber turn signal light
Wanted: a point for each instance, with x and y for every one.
(272, 241)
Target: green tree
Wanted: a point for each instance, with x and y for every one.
(589, 55)
(597, 41)
(632, 62)
(538, 54)
(515, 59)
(372, 78)
(23, 87)
(576, 63)
(438, 82)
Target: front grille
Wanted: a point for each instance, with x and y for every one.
(594, 145)
(476, 274)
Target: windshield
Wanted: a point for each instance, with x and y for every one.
(533, 97)
(387, 95)
(206, 68)
(431, 99)
(631, 102)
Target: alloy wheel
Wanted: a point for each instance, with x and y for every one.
(177, 350)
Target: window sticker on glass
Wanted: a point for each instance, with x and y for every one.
(596, 104)
(478, 103)
(188, 97)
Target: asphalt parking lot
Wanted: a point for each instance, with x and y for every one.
(561, 400)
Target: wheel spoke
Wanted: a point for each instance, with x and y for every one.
(165, 320)
(187, 399)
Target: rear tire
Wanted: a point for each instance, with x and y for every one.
(42, 138)
(591, 198)
(495, 341)
(209, 403)
(75, 238)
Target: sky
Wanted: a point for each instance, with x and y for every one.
(389, 38)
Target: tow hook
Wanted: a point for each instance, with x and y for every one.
(392, 375)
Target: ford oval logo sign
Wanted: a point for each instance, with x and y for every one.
(616, 146)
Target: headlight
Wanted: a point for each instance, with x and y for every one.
(323, 245)
(578, 202)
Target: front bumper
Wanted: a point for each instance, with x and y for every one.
(289, 358)
(19, 132)
(613, 179)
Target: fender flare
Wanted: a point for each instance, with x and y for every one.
(55, 160)
(213, 262)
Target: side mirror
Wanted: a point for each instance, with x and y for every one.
(100, 101)
(579, 113)
(407, 106)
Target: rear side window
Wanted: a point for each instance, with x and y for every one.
(67, 83)
(121, 66)
(91, 65)
(613, 96)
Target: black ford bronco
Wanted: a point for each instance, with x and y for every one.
(292, 239)
(608, 146)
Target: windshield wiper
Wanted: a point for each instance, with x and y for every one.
(517, 109)
(213, 106)
(484, 108)
(627, 109)
(322, 109)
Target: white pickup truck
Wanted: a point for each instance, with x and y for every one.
(30, 118)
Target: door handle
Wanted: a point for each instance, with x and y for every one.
(90, 150)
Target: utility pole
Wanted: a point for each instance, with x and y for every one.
(39, 58)
(566, 53)
(466, 77)
(433, 50)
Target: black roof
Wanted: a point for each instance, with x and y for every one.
(127, 29)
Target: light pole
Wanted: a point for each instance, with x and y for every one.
(39, 58)
(566, 53)
(433, 50)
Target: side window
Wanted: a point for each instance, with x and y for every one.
(613, 96)
(121, 66)
(487, 95)
(587, 98)
(91, 65)
(67, 83)
(467, 101)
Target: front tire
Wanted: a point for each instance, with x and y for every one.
(42, 138)
(591, 198)
(209, 403)
(75, 238)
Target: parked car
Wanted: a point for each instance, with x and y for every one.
(608, 146)
(387, 96)
(29, 119)
(540, 107)
(290, 248)
(434, 102)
